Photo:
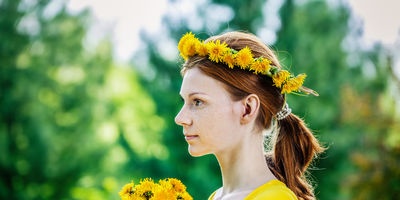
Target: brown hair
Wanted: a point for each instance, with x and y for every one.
(294, 146)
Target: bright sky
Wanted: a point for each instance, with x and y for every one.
(126, 17)
(381, 19)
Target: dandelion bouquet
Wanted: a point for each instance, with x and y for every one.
(147, 189)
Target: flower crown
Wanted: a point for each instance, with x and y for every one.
(219, 52)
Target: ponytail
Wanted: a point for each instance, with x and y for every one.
(294, 147)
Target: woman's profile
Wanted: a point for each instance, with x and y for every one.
(235, 108)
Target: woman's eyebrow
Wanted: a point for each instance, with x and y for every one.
(196, 93)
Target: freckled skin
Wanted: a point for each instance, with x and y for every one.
(209, 116)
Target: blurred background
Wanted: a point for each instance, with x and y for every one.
(89, 91)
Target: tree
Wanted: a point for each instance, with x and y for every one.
(313, 34)
(372, 109)
(44, 100)
(68, 114)
(347, 115)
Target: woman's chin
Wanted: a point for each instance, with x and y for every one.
(196, 152)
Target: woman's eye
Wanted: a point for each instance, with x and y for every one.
(197, 102)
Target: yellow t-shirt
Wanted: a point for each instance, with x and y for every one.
(274, 190)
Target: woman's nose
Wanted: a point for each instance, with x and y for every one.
(181, 118)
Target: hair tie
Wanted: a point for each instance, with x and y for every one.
(284, 112)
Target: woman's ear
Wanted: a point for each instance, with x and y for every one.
(251, 105)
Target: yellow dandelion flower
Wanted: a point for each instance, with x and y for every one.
(182, 43)
(127, 191)
(161, 193)
(183, 40)
(229, 59)
(244, 58)
(177, 185)
(187, 45)
(293, 84)
(165, 184)
(299, 79)
(261, 66)
(266, 65)
(201, 49)
(145, 188)
(289, 86)
(217, 50)
(189, 49)
(280, 78)
(185, 196)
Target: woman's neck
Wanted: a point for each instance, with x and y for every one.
(244, 168)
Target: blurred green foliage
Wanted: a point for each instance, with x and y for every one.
(76, 125)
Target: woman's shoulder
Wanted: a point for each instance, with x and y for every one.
(273, 189)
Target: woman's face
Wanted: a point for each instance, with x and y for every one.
(209, 117)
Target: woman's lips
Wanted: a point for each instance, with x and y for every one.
(190, 137)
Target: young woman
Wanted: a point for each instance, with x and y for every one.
(234, 108)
